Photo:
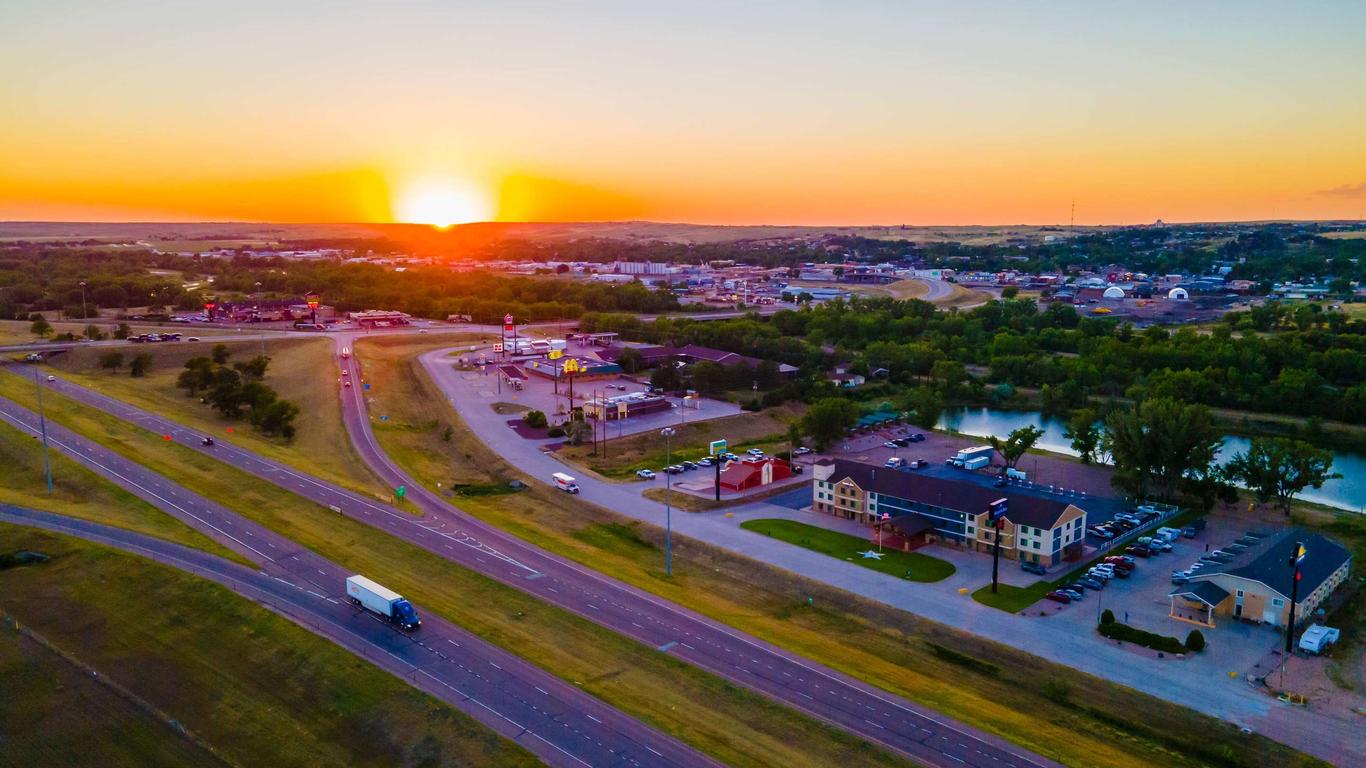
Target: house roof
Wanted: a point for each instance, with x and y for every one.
(1268, 561)
(1206, 592)
(1023, 508)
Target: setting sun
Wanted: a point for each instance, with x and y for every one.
(442, 203)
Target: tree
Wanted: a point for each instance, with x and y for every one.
(111, 360)
(1280, 468)
(276, 418)
(1016, 445)
(254, 369)
(94, 333)
(534, 419)
(666, 376)
(40, 327)
(197, 376)
(926, 406)
(138, 368)
(827, 419)
(1084, 430)
(1195, 641)
(1158, 445)
(123, 331)
(220, 353)
(578, 432)
(1010, 292)
(1107, 616)
(630, 360)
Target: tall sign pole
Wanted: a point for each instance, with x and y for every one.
(668, 434)
(42, 427)
(509, 327)
(996, 512)
(1296, 557)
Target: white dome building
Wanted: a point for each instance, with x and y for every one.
(1178, 294)
(1113, 292)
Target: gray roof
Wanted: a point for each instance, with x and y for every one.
(1206, 592)
(1268, 561)
(958, 495)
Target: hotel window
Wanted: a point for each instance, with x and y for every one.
(1277, 602)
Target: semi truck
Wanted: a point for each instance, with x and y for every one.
(385, 603)
(565, 482)
(961, 458)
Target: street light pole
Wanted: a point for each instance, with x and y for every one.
(667, 433)
(258, 317)
(42, 428)
(84, 315)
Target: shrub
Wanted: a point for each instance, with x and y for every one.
(534, 419)
(1056, 691)
(1195, 641)
(555, 432)
(1117, 631)
(1107, 617)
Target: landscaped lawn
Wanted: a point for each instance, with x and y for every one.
(894, 562)
(1013, 599)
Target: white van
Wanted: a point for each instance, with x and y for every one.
(565, 482)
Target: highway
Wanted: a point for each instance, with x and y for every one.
(556, 721)
(852, 705)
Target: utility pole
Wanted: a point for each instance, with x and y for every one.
(996, 512)
(668, 433)
(258, 317)
(1296, 557)
(42, 428)
(84, 314)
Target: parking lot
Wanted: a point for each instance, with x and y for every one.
(1141, 601)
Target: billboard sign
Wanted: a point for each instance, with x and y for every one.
(717, 447)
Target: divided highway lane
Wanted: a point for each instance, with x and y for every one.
(562, 725)
(852, 705)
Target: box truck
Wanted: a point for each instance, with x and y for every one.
(386, 603)
(565, 482)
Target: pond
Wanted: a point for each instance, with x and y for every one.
(1347, 492)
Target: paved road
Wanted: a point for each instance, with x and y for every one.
(914, 731)
(553, 719)
(1201, 683)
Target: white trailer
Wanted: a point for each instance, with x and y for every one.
(1318, 638)
(976, 462)
(382, 601)
(968, 454)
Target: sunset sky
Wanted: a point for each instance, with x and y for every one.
(783, 113)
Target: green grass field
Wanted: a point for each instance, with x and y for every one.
(1096, 724)
(255, 687)
(734, 725)
(1012, 599)
(303, 371)
(78, 492)
(903, 565)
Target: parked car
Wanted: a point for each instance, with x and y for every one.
(1092, 583)
(672, 469)
(895, 462)
(645, 474)
(1180, 577)
(917, 438)
(901, 442)
(801, 450)
(1139, 551)
(755, 452)
(1078, 586)
(1033, 567)
(1058, 597)
(796, 469)
(918, 464)
(1102, 533)
(1188, 532)
(689, 465)
(705, 462)
(1073, 594)
(890, 444)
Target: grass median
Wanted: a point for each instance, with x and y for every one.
(78, 492)
(252, 687)
(892, 649)
(893, 562)
(730, 723)
(303, 371)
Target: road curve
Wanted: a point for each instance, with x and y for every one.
(554, 720)
(852, 705)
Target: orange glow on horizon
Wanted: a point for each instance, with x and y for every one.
(442, 203)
